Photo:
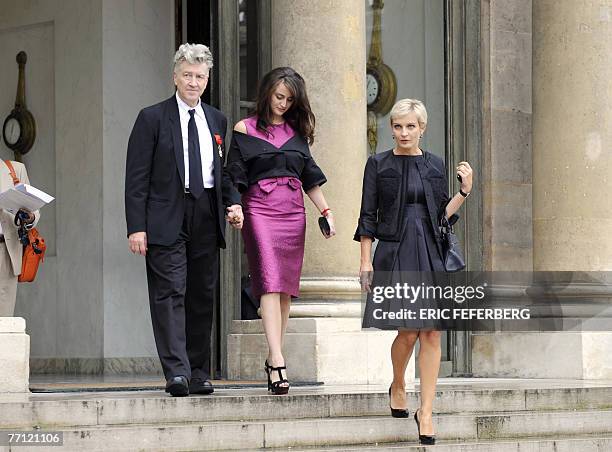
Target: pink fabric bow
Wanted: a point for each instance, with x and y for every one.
(267, 185)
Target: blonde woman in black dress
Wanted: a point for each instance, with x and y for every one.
(404, 195)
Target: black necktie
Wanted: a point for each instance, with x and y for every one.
(196, 184)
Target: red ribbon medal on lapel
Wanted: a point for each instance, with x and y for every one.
(219, 141)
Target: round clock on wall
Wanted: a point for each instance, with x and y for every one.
(11, 131)
(19, 128)
(19, 131)
(381, 88)
(372, 88)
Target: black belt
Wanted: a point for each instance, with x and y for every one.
(188, 192)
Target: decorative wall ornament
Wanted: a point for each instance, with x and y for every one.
(19, 129)
(381, 84)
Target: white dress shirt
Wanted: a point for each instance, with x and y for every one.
(206, 144)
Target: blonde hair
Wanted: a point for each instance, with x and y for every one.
(193, 54)
(405, 106)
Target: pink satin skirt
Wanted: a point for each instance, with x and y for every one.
(273, 232)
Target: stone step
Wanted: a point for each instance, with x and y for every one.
(559, 444)
(230, 435)
(155, 407)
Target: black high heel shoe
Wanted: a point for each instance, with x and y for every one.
(426, 440)
(397, 412)
(275, 387)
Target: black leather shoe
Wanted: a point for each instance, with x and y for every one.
(200, 386)
(178, 386)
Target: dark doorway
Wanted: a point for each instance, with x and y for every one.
(196, 22)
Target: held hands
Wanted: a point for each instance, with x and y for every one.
(465, 171)
(365, 276)
(138, 243)
(235, 216)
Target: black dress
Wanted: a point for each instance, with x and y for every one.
(412, 260)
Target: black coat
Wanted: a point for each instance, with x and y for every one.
(383, 195)
(251, 159)
(155, 173)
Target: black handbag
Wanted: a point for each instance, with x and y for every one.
(452, 254)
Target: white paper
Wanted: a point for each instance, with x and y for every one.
(24, 196)
(35, 192)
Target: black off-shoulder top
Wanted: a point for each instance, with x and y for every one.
(251, 159)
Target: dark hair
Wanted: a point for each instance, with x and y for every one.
(299, 116)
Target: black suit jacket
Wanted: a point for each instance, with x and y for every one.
(155, 173)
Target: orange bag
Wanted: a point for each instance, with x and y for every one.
(33, 255)
(34, 251)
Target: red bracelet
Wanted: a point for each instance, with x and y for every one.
(324, 211)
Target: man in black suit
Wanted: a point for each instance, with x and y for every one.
(176, 202)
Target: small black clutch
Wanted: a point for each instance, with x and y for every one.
(324, 225)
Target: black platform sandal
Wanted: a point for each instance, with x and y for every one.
(397, 412)
(275, 387)
(426, 440)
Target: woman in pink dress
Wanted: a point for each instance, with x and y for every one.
(270, 163)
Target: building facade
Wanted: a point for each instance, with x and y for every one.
(519, 88)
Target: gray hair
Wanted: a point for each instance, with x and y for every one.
(193, 54)
(405, 106)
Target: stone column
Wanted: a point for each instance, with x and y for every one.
(572, 135)
(572, 207)
(14, 356)
(325, 42)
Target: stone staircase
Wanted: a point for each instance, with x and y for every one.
(472, 415)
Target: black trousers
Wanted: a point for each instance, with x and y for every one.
(182, 280)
